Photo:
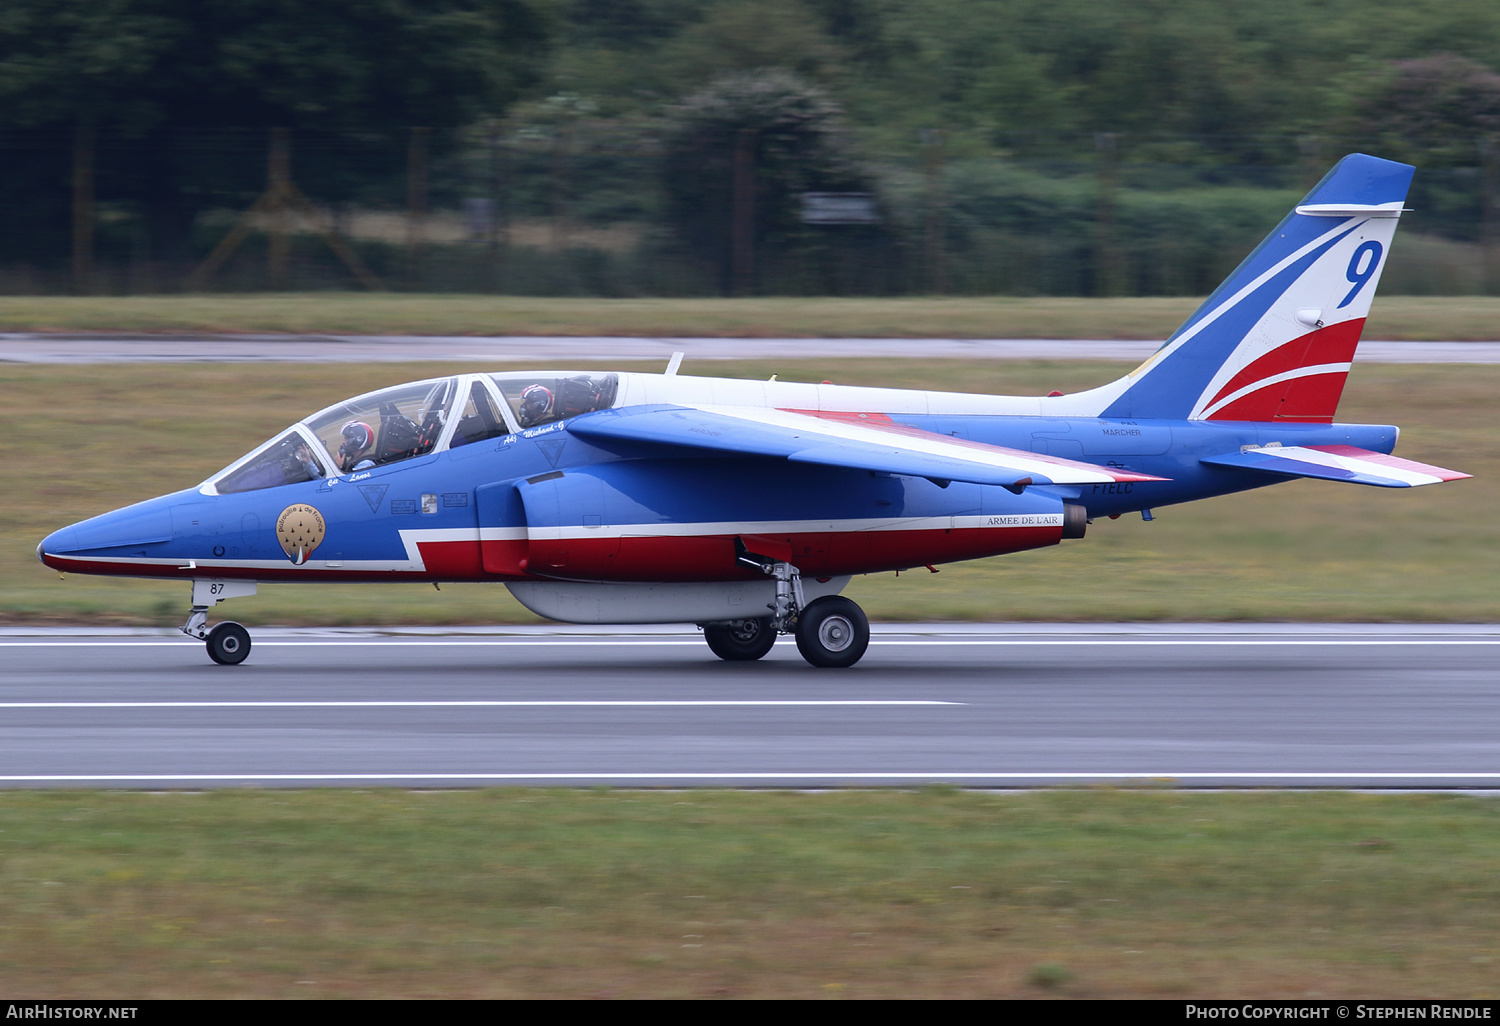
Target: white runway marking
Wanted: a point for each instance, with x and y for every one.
(465, 703)
(362, 642)
(877, 640)
(1161, 778)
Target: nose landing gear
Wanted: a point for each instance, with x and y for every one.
(228, 643)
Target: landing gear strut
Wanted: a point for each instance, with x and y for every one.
(228, 643)
(830, 631)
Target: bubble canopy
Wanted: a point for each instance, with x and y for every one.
(387, 426)
(398, 423)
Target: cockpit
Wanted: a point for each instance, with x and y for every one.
(405, 421)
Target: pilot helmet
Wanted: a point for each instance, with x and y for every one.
(536, 404)
(358, 436)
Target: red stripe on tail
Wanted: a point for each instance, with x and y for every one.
(1312, 399)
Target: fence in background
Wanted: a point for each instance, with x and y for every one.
(581, 209)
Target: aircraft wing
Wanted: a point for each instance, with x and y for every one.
(1336, 463)
(863, 441)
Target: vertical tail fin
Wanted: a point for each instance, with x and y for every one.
(1275, 341)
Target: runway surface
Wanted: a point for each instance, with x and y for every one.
(976, 705)
(62, 349)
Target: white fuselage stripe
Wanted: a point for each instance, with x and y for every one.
(1159, 776)
(774, 527)
(331, 704)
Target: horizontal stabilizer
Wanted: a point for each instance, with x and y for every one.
(1336, 463)
(859, 441)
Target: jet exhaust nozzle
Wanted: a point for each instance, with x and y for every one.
(1075, 520)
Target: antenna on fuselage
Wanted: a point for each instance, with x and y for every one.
(673, 364)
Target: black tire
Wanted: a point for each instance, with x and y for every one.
(740, 641)
(832, 632)
(228, 644)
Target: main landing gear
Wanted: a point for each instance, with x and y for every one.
(830, 631)
(228, 643)
(833, 632)
(740, 640)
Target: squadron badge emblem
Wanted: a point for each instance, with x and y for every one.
(300, 530)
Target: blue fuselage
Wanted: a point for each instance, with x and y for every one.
(546, 504)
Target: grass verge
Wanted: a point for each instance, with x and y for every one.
(1448, 318)
(88, 439)
(939, 893)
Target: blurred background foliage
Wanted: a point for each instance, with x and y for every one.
(590, 147)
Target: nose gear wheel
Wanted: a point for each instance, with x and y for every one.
(228, 643)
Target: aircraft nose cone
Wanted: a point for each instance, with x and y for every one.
(56, 543)
(133, 528)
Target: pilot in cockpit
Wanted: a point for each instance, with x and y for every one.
(536, 405)
(309, 463)
(359, 439)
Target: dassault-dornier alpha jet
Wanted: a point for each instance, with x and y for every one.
(745, 506)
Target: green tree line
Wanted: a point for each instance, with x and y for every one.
(1028, 72)
(1010, 145)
